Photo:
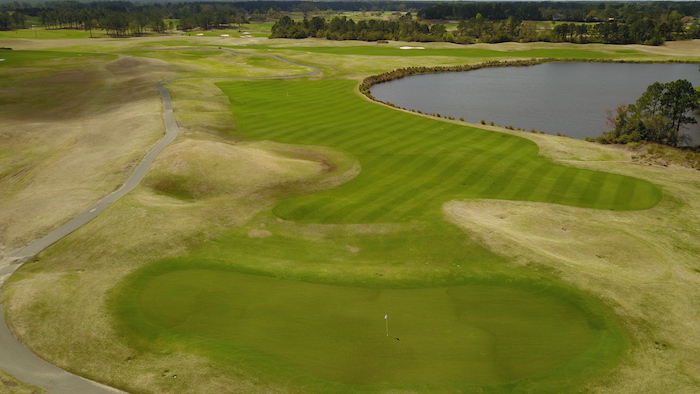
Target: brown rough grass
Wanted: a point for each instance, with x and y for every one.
(89, 124)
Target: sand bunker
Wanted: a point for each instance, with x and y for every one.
(404, 47)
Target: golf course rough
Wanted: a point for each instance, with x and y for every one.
(299, 294)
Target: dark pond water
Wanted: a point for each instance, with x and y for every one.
(566, 98)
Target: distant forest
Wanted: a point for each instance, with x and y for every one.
(609, 23)
(649, 23)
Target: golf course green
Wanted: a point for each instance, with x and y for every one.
(337, 337)
(301, 293)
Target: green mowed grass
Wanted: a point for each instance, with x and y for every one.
(47, 34)
(386, 50)
(304, 303)
(329, 333)
(14, 58)
(411, 165)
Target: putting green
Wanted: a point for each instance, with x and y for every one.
(310, 312)
(336, 336)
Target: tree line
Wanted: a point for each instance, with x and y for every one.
(482, 29)
(649, 23)
(119, 18)
(343, 28)
(619, 23)
(16, 20)
(559, 11)
(125, 17)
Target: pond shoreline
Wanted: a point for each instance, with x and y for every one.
(367, 84)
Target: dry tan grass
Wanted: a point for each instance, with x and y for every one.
(206, 169)
(77, 143)
(681, 49)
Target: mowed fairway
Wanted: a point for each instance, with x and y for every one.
(411, 165)
(299, 296)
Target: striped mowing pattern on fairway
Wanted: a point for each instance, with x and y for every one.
(410, 164)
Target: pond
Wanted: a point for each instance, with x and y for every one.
(567, 98)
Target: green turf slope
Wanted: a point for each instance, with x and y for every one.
(412, 165)
(297, 297)
(308, 312)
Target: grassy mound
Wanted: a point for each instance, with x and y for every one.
(203, 169)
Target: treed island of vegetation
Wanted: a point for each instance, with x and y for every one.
(297, 237)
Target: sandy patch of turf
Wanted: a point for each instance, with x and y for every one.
(681, 49)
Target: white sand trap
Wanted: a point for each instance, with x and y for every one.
(2, 60)
(411, 47)
(224, 35)
(200, 34)
(247, 36)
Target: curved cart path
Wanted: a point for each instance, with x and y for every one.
(20, 362)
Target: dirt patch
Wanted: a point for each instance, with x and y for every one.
(257, 233)
(352, 249)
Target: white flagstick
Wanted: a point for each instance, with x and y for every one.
(386, 319)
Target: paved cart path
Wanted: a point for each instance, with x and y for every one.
(20, 362)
